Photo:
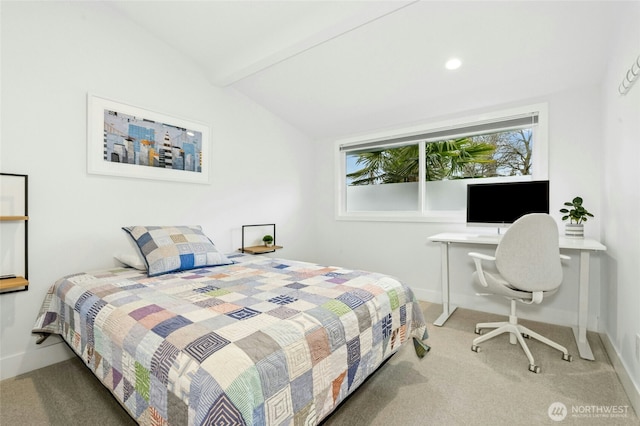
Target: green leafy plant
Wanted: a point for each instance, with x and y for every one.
(577, 214)
(267, 239)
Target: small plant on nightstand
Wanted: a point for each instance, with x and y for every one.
(268, 240)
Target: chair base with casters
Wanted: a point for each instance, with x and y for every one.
(517, 334)
(528, 269)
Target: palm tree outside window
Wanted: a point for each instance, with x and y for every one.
(499, 150)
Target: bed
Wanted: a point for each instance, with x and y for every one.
(242, 339)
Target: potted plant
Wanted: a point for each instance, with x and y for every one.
(576, 216)
(268, 240)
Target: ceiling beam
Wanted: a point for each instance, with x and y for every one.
(375, 11)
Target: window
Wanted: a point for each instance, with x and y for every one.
(423, 172)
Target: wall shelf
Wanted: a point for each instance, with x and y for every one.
(262, 248)
(10, 283)
(13, 283)
(13, 218)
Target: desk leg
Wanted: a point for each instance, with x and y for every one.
(580, 332)
(447, 309)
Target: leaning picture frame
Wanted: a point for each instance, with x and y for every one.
(130, 141)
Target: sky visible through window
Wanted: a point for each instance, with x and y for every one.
(351, 166)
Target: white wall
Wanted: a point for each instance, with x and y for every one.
(620, 300)
(402, 249)
(53, 53)
(594, 146)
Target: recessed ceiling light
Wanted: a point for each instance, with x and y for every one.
(453, 64)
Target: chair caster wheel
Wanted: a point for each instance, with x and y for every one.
(526, 336)
(478, 331)
(534, 368)
(475, 348)
(567, 357)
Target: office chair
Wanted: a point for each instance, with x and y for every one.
(528, 263)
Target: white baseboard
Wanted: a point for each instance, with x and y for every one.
(41, 356)
(629, 386)
(497, 306)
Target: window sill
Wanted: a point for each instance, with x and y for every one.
(441, 217)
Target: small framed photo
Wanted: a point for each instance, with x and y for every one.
(125, 140)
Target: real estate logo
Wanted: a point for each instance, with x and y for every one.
(557, 411)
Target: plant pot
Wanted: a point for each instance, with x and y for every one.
(268, 244)
(574, 230)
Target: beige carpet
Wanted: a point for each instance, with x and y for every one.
(451, 386)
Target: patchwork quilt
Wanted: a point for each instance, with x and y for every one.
(260, 342)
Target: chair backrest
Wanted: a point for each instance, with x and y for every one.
(528, 256)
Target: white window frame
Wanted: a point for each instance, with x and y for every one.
(540, 167)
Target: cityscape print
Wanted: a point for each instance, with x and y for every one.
(143, 142)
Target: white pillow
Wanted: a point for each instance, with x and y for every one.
(131, 259)
(131, 256)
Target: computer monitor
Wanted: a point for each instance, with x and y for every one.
(501, 204)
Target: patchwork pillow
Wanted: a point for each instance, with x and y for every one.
(175, 248)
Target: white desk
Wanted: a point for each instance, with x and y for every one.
(583, 245)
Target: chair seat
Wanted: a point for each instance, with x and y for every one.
(498, 285)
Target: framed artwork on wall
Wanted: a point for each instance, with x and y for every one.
(125, 140)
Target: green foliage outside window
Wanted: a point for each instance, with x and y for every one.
(497, 154)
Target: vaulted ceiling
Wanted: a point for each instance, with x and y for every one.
(335, 68)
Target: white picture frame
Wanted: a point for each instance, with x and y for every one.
(130, 141)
